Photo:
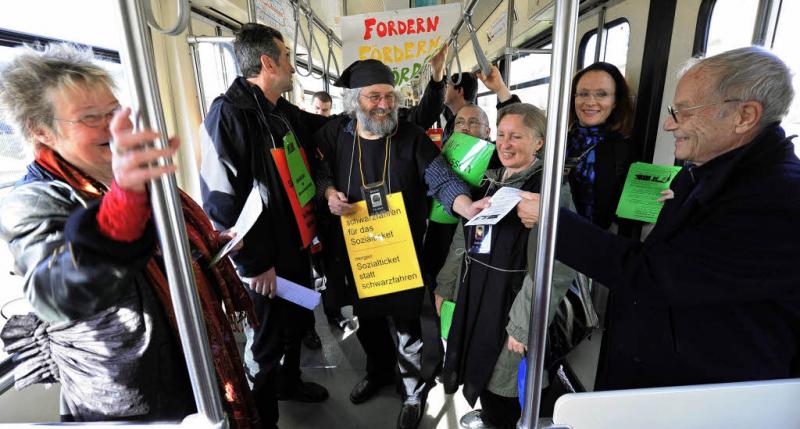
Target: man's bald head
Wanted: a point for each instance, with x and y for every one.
(472, 120)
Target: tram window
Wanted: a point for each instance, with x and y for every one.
(536, 95)
(731, 25)
(786, 35)
(618, 35)
(217, 71)
(530, 67)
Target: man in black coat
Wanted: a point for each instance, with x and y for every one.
(712, 295)
(372, 152)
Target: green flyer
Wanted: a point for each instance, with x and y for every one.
(298, 169)
(643, 186)
(446, 317)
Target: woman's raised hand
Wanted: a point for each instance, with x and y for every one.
(133, 158)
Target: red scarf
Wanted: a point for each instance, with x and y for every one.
(215, 285)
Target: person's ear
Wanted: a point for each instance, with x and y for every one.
(41, 134)
(266, 62)
(538, 144)
(748, 116)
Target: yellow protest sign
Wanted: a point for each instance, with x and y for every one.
(381, 249)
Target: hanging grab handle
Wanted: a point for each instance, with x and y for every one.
(448, 64)
(331, 56)
(315, 42)
(486, 68)
(180, 25)
(298, 33)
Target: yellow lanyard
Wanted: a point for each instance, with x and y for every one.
(361, 164)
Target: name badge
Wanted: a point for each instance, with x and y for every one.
(375, 197)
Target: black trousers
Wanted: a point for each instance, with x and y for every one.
(393, 346)
(498, 411)
(281, 326)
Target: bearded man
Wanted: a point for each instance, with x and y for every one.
(372, 153)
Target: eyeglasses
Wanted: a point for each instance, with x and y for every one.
(597, 95)
(471, 123)
(93, 120)
(376, 98)
(674, 112)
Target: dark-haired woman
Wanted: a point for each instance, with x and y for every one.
(599, 148)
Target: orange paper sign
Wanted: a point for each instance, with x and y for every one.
(306, 222)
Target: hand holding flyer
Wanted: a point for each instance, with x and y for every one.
(250, 213)
(505, 199)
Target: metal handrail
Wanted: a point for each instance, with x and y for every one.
(318, 22)
(600, 43)
(139, 62)
(455, 56)
(509, 40)
(466, 19)
(331, 56)
(210, 39)
(561, 66)
(467, 10)
(486, 68)
(298, 33)
(180, 24)
(315, 42)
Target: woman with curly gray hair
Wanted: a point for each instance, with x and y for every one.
(78, 225)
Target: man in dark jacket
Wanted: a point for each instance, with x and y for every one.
(243, 139)
(712, 295)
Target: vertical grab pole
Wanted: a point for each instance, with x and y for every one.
(251, 11)
(509, 39)
(137, 56)
(602, 34)
(566, 19)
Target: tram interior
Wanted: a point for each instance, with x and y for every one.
(193, 71)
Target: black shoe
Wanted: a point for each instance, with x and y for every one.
(311, 339)
(410, 415)
(366, 389)
(304, 391)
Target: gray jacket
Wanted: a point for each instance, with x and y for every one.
(100, 329)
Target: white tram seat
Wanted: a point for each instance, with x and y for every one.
(756, 404)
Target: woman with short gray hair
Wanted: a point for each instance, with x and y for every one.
(485, 274)
(78, 226)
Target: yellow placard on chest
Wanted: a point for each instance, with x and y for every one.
(381, 249)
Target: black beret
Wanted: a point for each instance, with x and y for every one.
(364, 73)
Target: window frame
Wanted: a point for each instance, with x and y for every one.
(584, 43)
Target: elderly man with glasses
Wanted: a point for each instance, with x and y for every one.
(712, 294)
(372, 156)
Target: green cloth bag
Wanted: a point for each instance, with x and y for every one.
(469, 158)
